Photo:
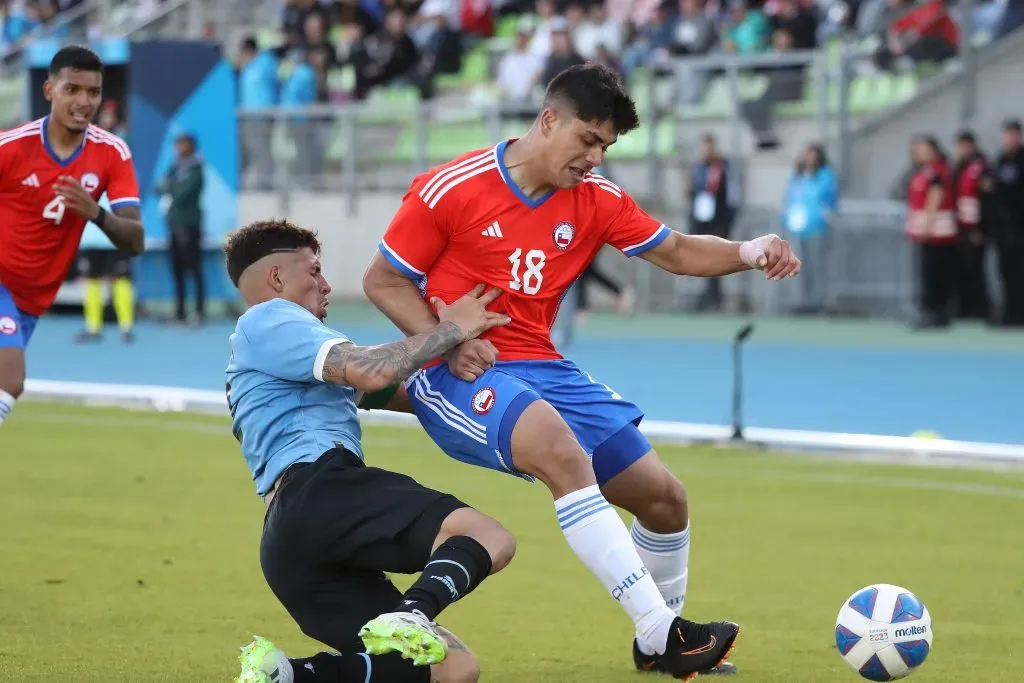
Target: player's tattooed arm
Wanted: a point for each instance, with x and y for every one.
(372, 368)
(124, 228)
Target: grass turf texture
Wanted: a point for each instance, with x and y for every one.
(131, 553)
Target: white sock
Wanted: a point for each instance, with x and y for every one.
(666, 557)
(6, 405)
(597, 535)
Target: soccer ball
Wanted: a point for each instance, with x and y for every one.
(884, 632)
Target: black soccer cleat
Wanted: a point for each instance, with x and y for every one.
(652, 663)
(694, 648)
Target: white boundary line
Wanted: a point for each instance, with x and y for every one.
(174, 399)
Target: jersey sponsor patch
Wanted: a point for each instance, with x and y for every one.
(563, 235)
(483, 401)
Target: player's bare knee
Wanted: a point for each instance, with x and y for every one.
(667, 510)
(460, 666)
(12, 374)
(498, 541)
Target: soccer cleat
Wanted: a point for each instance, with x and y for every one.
(694, 648)
(408, 633)
(652, 663)
(262, 662)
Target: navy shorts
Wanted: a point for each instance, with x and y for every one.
(473, 421)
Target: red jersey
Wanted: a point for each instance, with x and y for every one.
(971, 182)
(38, 236)
(466, 222)
(942, 227)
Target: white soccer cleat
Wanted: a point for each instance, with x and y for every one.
(410, 634)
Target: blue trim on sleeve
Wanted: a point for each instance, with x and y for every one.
(401, 267)
(125, 202)
(660, 236)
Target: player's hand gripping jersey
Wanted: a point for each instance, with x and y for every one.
(39, 235)
(467, 222)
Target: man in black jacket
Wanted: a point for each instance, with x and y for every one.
(184, 186)
(1008, 224)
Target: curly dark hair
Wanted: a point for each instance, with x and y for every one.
(594, 93)
(249, 244)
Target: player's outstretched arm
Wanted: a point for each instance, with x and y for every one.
(710, 256)
(373, 368)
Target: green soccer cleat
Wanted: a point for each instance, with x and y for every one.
(408, 633)
(262, 662)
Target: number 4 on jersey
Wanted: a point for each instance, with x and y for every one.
(55, 210)
(530, 281)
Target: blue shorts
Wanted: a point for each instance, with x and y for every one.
(473, 421)
(16, 326)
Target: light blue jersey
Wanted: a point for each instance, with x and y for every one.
(282, 410)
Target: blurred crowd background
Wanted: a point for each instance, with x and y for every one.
(881, 135)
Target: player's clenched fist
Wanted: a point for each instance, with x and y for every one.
(771, 254)
(472, 358)
(76, 198)
(470, 312)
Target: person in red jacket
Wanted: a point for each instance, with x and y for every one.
(972, 186)
(931, 224)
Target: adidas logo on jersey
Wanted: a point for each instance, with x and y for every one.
(493, 230)
(31, 181)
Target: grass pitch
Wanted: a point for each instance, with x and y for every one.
(131, 554)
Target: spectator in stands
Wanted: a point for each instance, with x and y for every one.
(799, 21)
(1008, 225)
(746, 30)
(932, 226)
(110, 121)
(595, 31)
(972, 183)
(540, 43)
(652, 39)
(381, 57)
(785, 84)
(715, 196)
(476, 21)
(295, 13)
(315, 40)
(355, 20)
(17, 22)
(518, 72)
(439, 45)
(693, 34)
(300, 89)
(184, 185)
(926, 33)
(257, 83)
(811, 201)
(563, 54)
